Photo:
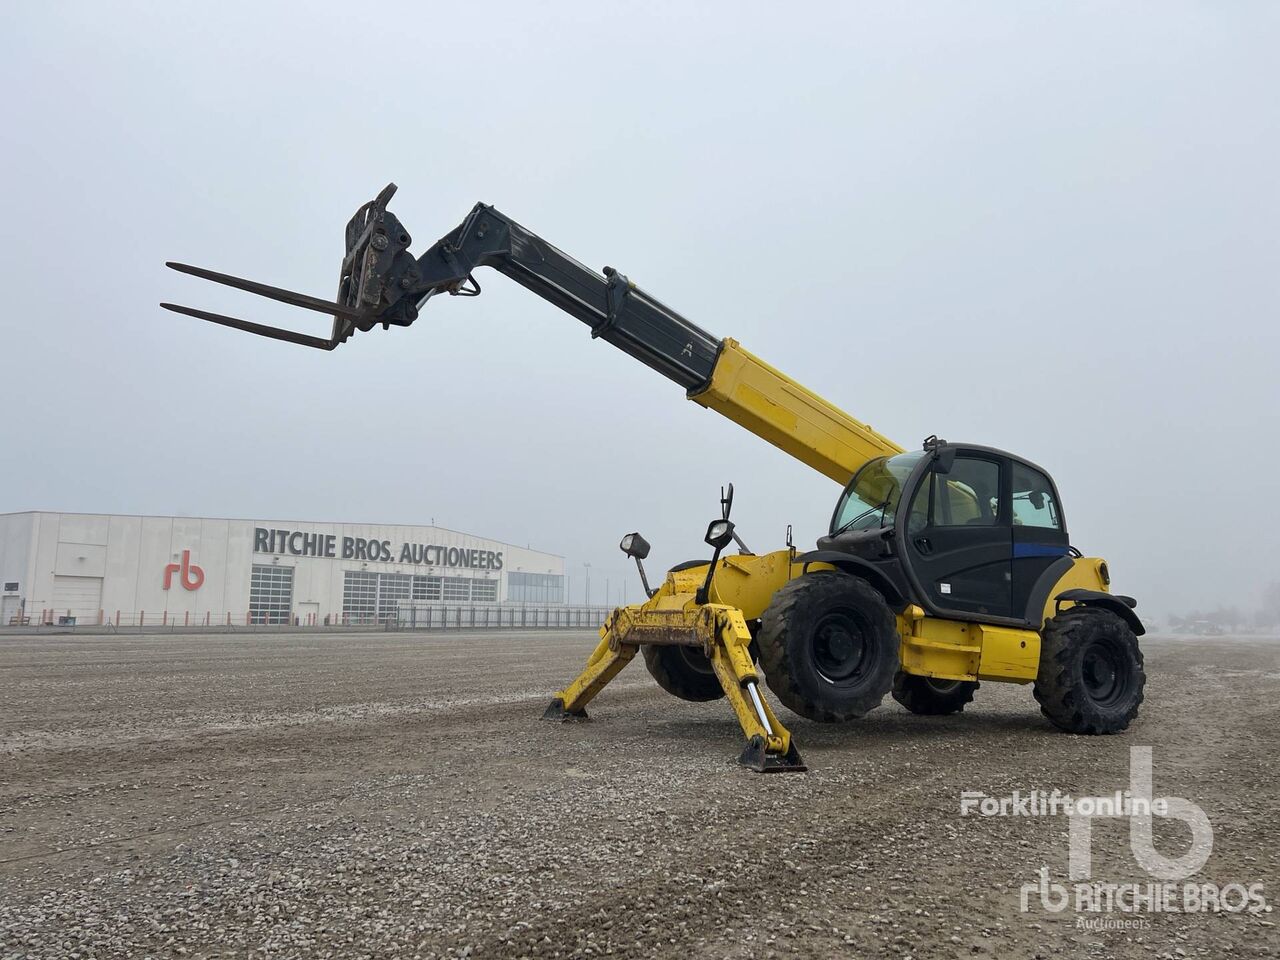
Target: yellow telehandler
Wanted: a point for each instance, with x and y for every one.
(943, 566)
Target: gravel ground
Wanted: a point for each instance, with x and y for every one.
(393, 795)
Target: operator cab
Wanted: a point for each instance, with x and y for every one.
(963, 531)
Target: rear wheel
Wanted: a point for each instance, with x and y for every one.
(1091, 677)
(683, 672)
(929, 696)
(829, 646)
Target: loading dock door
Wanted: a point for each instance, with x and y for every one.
(82, 596)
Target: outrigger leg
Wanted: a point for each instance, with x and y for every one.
(769, 746)
(605, 662)
(721, 633)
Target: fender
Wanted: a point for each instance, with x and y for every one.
(857, 567)
(689, 565)
(1121, 606)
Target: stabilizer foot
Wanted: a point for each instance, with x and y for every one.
(758, 758)
(556, 712)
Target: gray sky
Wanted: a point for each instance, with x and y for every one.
(1045, 227)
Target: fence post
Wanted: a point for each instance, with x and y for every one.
(186, 618)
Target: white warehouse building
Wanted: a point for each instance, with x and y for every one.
(103, 568)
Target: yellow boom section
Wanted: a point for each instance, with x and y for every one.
(771, 405)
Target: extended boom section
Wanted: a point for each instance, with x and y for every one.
(381, 282)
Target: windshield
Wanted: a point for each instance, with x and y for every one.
(871, 499)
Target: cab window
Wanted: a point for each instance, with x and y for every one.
(966, 496)
(871, 499)
(1034, 504)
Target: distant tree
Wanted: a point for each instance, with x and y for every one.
(1270, 611)
(1228, 617)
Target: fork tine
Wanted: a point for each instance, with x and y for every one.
(262, 330)
(272, 293)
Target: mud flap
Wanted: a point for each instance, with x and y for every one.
(556, 712)
(757, 758)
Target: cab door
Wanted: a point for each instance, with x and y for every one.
(958, 539)
(1039, 539)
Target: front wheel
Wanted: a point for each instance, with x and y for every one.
(829, 646)
(683, 672)
(1091, 677)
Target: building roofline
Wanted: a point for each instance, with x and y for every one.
(344, 523)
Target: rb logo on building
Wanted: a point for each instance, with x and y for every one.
(192, 575)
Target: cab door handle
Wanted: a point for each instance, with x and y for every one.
(924, 545)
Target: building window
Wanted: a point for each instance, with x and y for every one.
(271, 594)
(392, 588)
(359, 596)
(369, 597)
(426, 588)
(457, 588)
(535, 587)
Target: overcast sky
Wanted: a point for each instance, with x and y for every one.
(1045, 227)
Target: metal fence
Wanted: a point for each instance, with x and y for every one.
(496, 616)
(404, 616)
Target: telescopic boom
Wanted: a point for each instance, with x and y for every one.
(381, 282)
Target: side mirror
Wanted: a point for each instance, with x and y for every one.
(637, 548)
(634, 545)
(944, 460)
(942, 456)
(1037, 499)
(719, 534)
(726, 502)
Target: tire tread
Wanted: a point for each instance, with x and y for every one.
(777, 655)
(1056, 685)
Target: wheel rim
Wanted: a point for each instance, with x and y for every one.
(696, 660)
(1105, 673)
(942, 686)
(840, 649)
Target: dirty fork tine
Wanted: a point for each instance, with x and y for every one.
(262, 330)
(273, 293)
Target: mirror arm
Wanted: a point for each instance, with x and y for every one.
(703, 591)
(644, 580)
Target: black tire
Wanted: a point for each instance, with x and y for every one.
(1091, 677)
(931, 697)
(683, 672)
(829, 646)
